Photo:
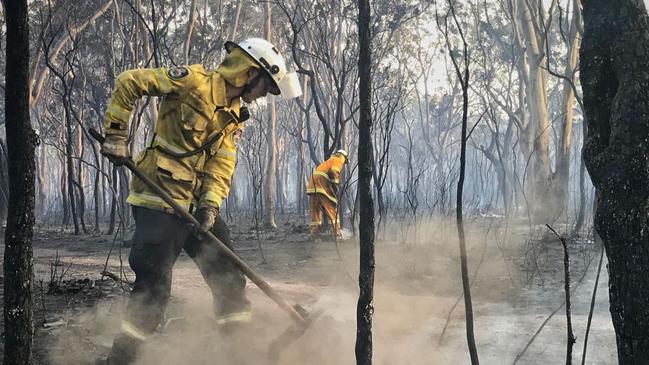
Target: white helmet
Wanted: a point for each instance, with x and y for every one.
(271, 61)
(342, 152)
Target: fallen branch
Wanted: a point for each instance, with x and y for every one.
(115, 277)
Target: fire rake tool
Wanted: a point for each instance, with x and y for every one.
(301, 316)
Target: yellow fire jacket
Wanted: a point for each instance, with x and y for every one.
(192, 111)
(325, 176)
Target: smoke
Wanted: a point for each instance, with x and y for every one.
(417, 284)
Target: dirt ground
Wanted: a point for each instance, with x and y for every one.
(517, 282)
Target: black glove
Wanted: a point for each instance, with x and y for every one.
(206, 216)
(115, 148)
(244, 114)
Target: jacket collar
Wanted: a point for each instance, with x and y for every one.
(218, 90)
(218, 96)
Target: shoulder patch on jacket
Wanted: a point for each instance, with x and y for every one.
(176, 73)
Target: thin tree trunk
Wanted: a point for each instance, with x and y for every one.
(365, 307)
(64, 189)
(21, 142)
(342, 202)
(97, 198)
(70, 168)
(190, 30)
(564, 147)
(299, 175)
(40, 184)
(4, 184)
(81, 177)
(235, 24)
(82, 206)
(462, 72)
(123, 206)
(271, 138)
(466, 284)
(147, 55)
(103, 199)
(281, 177)
(581, 213)
(113, 201)
(539, 133)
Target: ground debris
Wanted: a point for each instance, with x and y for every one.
(116, 278)
(300, 228)
(86, 287)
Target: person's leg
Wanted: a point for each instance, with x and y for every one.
(224, 278)
(157, 242)
(331, 209)
(316, 214)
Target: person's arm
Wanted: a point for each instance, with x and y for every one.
(131, 85)
(218, 171)
(334, 171)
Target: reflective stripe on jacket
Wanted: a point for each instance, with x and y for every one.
(325, 176)
(192, 110)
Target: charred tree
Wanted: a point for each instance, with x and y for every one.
(271, 139)
(113, 201)
(461, 67)
(365, 308)
(615, 78)
(4, 183)
(21, 142)
(70, 166)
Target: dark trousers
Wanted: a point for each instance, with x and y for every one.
(157, 242)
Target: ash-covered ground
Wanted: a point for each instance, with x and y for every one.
(517, 283)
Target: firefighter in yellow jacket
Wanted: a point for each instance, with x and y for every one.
(322, 189)
(192, 157)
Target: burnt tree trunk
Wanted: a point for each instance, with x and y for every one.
(124, 208)
(615, 80)
(583, 205)
(21, 141)
(461, 66)
(70, 171)
(271, 139)
(96, 193)
(365, 307)
(64, 191)
(113, 201)
(4, 183)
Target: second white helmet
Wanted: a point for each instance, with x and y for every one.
(271, 61)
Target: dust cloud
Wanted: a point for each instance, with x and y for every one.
(417, 285)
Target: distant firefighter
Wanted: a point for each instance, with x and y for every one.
(322, 189)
